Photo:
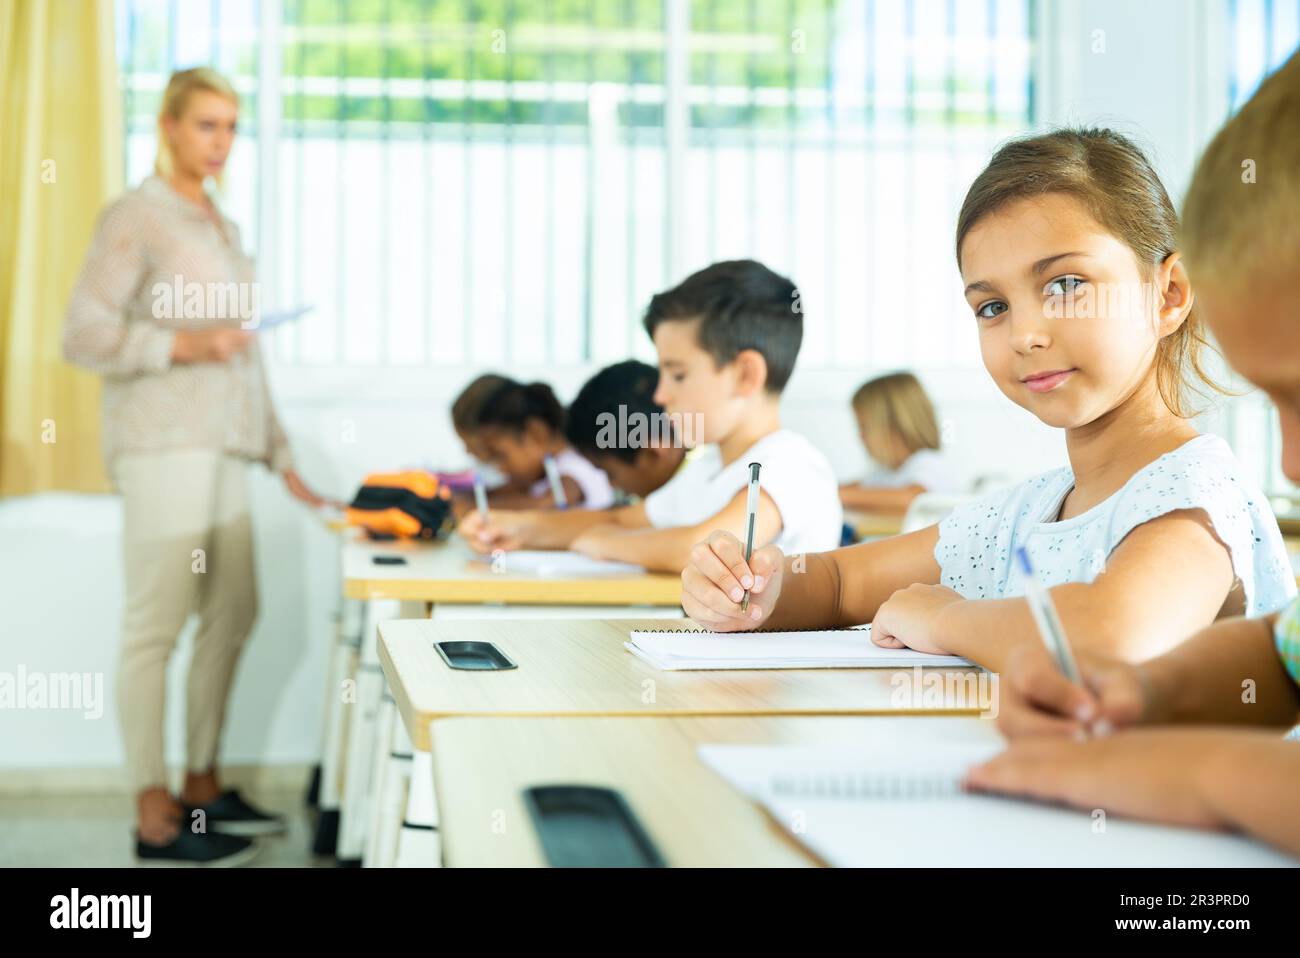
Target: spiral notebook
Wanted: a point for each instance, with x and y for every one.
(689, 649)
(900, 804)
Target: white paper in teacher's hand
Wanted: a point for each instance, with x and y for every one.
(276, 317)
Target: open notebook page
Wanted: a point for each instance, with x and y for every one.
(899, 804)
(812, 649)
(560, 563)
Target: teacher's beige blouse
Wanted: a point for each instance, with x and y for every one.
(149, 245)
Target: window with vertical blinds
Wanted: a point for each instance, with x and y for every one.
(468, 183)
(1263, 35)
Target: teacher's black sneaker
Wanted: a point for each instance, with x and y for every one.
(232, 815)
(210, 849)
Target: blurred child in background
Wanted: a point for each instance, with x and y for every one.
(727, 338)
(898, 427)
(624, 393)
(520, 427)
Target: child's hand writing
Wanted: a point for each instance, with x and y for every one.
(714, 583)
(1036, 699)
(503, 529)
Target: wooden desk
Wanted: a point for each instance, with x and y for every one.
(443, 580)
(446, 572)
(693, 816)
(580, 668)
(873, 525)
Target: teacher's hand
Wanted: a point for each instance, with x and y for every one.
(216, 345)
(303, 493)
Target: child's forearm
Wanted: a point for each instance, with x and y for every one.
(987, 630)
(811, 596)
(1252, 784)
(828, 590)
(557, 528)
(658, 550)
(1228, 673)
(1095, 620)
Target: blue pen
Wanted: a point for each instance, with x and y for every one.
(1045, 617)
(480, 496)
(557, 487)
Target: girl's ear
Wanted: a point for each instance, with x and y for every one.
(1175, 290)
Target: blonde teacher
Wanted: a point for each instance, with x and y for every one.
(185, 409)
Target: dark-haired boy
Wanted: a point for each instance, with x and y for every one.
(727, 339)
(616, 424)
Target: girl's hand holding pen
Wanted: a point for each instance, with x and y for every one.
(715, 580)
(1036, 699)
(500, 529)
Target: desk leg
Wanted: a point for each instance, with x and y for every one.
(392, 770)
(327, 711)
(340, 668)
(358, 785)
(362, 707)
(419, 846)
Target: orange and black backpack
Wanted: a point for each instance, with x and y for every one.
(409, 505)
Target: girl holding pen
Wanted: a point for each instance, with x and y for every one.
(1150, 533)
(1194, 736)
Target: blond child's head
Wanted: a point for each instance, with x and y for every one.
(895, 418)
(1241, 234)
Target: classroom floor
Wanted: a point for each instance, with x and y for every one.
(94, 831)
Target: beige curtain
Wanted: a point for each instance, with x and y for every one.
(60, 163)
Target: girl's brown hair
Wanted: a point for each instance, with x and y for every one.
(512, 405)
(466, 407)
(1117, 185)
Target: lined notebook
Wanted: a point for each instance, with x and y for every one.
(897, 804)
(561, 563)
(678, 650)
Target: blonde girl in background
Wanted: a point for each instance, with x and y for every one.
(900, 433)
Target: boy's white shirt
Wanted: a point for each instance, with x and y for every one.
(795, 474)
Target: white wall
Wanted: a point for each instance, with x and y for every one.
(60, 569)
